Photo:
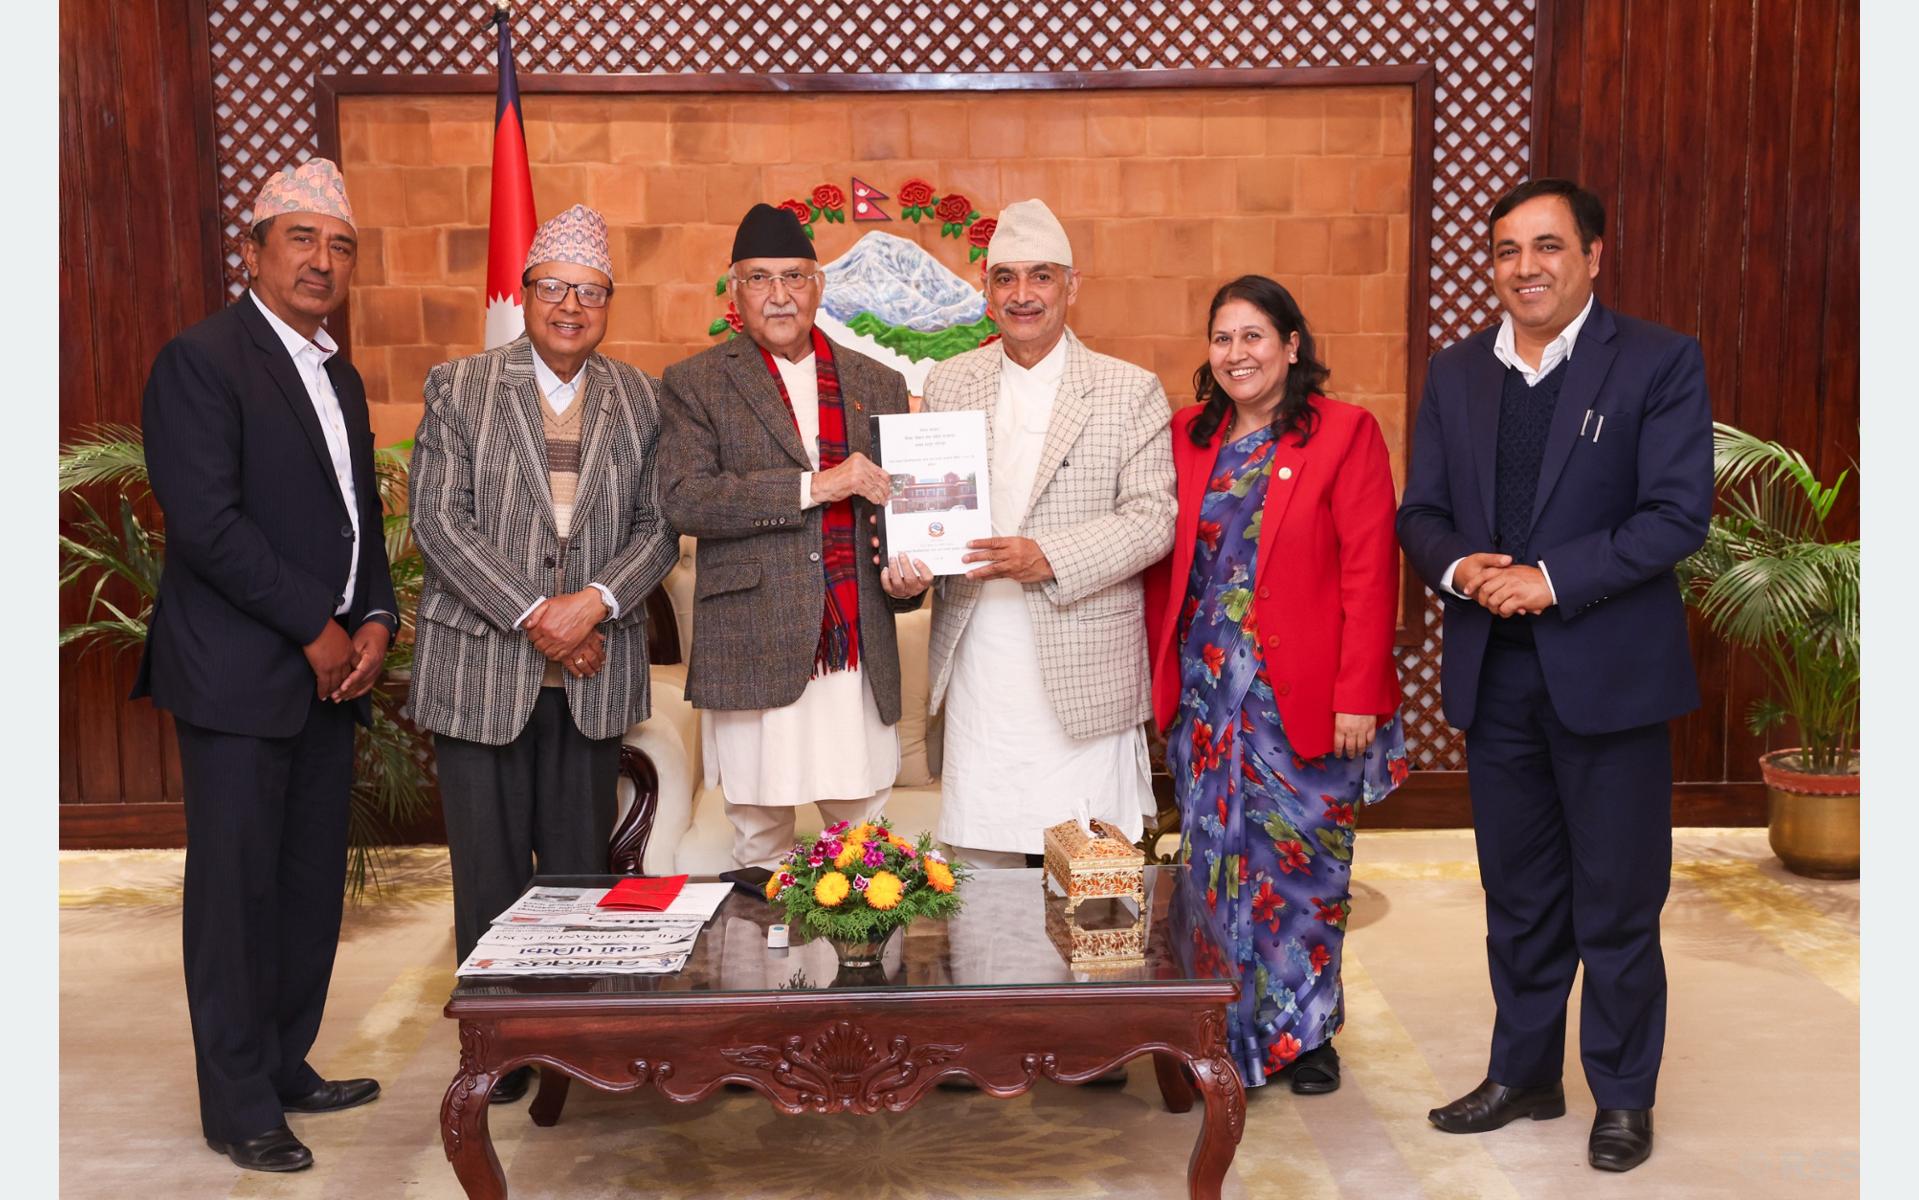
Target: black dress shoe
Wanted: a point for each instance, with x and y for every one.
(512, 1086)
(1491, 1105)
(275, 1150)
(334, 1095)
(1315, 1072)
(1621, 1139)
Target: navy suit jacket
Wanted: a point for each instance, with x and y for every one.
(1619, 504)
(258, 540)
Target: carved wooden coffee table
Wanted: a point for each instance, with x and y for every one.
(985, 996)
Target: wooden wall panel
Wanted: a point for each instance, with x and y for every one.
(136, 265)
(1723, 137)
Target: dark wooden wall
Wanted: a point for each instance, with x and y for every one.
(136, 265)
(1723, 136)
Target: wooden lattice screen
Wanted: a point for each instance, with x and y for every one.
(267, 53)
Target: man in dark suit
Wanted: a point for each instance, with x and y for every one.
(1561, 468)
(273, 619)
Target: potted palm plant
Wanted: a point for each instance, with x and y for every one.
(118, 555)
(1769, 581)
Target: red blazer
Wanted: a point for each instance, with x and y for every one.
(1328, 574)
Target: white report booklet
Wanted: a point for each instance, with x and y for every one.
(940, 497)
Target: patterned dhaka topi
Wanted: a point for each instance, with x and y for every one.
(839, 645)
(577, 235)
(314, 186)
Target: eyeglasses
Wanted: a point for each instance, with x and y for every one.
(758, 282)
(553, 291)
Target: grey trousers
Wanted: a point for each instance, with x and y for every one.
(543, 803)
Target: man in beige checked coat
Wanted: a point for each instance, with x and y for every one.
(536, 508)
(1039, 652)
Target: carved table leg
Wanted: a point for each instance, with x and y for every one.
(551, 1097)
(1173, 1087)
(463, 1120)
(1225, 1098)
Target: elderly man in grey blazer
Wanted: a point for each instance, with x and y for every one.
(536, 508)
(764, 459)
(1039, 652)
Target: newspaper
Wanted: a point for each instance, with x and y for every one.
(558, 951)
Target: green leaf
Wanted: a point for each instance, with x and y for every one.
(719, 289)
(1235, 602)
(972, 216)
(1251, 532)
(1231, 871)
(975, 254)
(1336, 844)
(1280, 829)
(808, 229)
(814, 209)
(718, 326)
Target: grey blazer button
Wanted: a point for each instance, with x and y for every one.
(338, 601)
(549, 560)
(346, 531)
(813, 557)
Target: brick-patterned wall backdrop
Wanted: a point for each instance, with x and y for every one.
(1165, 195)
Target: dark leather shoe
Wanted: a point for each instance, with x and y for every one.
(334, 1095)
(1621, 1139)
(1491, 1105)
(512, 1086)
(275, 1150)
(1315, 1072)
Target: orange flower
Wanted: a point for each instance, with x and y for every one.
(831, 889)
(772, 886)
(884, 890)
(939, 876)
(850, 851)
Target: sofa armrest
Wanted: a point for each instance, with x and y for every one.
(659, 768)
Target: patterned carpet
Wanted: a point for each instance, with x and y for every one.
(1765, 1006)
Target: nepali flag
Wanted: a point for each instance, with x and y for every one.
(511, 217)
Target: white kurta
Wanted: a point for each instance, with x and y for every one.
(830, 744)
(1011, 769)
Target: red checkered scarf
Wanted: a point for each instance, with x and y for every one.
(839, 645)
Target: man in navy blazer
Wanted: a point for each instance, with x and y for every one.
(1561, 468)
(272, 623)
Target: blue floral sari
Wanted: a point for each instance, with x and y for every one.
(1271, 833)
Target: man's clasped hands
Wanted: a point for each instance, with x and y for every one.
(1501, 587)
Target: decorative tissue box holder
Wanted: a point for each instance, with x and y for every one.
(1103, 867)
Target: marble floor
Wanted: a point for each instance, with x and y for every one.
(1759, 1095)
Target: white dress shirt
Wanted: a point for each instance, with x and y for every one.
(1559, 350)
(802, 380)
(559, 395)
(310, 357)
(1011, 769)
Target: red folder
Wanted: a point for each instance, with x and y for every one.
(643, 895)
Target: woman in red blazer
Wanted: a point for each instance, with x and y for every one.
(1271, 631)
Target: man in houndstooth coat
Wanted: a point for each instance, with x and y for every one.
(1038, 654)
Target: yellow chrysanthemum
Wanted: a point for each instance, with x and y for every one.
(939, 876)
(850, 852)
(898, 842)
(884, 890)
(772, 886)
(832, 888)
(861, 832)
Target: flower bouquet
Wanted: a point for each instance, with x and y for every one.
(855, 885)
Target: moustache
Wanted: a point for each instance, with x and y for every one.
(788, 309)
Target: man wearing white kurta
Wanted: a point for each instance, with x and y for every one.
(763, 459)
(1038, 653)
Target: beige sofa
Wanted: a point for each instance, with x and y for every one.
(690, 831)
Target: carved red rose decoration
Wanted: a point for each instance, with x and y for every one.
(978, 236)
(800, 209)
(829, 202)
(955, 212)
(917, 196)
(728, 324)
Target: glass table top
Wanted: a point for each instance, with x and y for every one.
(999, 939)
